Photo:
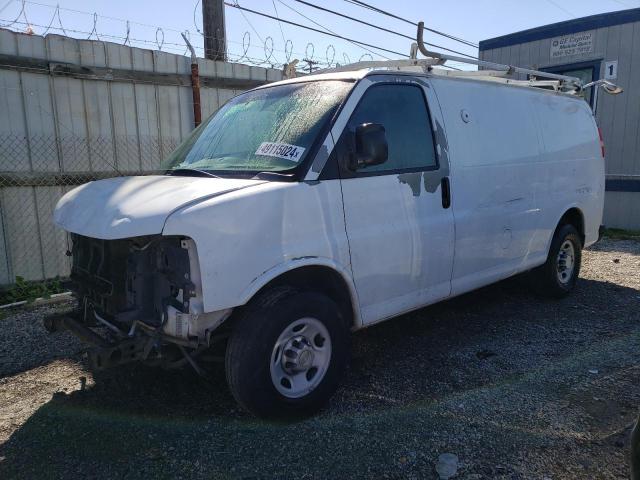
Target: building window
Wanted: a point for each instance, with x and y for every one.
(587, 72)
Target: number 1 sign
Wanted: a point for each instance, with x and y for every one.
(611, 70)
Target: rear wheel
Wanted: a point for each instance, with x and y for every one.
(287, 353)
(558, 276)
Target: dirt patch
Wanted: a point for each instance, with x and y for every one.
(512, 385)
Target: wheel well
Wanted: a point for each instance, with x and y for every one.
(321, 279)
(574, 217)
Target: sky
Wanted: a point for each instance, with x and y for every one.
(157, 24)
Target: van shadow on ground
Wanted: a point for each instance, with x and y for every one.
(396, 411)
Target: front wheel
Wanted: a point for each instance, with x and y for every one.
(557, 277)
(287, 353)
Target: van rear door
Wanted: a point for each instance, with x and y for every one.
(399, 224)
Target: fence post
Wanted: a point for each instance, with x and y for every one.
(195, 83)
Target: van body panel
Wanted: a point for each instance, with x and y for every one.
(512, 178)
(574, 167)
(243, 239)
(495, 179)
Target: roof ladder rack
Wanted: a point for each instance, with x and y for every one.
(490, 71)
(567, 83)
(495, 71)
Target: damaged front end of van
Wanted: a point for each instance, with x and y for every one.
(135, 298)
(139, 293)
(140, 243)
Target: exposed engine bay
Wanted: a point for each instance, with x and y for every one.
(132, 279)
(140, 293)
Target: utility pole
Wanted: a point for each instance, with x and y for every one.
(215, 42)
(311, 64)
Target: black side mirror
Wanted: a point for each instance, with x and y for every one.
(371, 146)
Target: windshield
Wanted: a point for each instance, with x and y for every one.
(270, 129)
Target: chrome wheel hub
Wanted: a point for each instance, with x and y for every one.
(300, 357)
(566, 262)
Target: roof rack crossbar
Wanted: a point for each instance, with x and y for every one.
(574, 82)
(411, 62)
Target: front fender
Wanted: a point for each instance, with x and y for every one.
(246, 238)
(269, 275)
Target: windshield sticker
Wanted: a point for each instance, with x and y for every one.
(281, 150)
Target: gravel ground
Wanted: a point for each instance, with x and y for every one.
(514, 386)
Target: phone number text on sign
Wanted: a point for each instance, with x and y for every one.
(280, 150)
(570, 45)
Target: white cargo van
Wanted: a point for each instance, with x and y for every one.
(310, 208)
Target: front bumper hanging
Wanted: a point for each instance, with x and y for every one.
(142, 343)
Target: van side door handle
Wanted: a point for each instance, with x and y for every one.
(446, 192)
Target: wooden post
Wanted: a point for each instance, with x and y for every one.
(215, 42)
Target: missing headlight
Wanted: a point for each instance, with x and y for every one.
(131, 279)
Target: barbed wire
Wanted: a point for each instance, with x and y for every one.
(179, 49)
(159, 39)
(333, 54)
(57, 14)
(163, 45)
(268, 49)
(244, 51)
(21, 13)
(288, 52)
(266, 53)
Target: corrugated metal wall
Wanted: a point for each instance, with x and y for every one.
(618, 116)
(57, 130)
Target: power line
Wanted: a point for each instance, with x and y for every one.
(251, 25)
(6, 5)
(415, 24)
(232, 5)
(279, 24)
(325, 28)
(560, 7)
(379, 27)
(624, 4)
(318, 7)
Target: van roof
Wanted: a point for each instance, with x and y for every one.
(349, 75)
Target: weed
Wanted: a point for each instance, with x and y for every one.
(620, 234)
(23, 290)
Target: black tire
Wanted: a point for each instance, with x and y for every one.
(546, 278)
(251, 348)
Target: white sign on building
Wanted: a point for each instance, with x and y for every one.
(611, 70)
(570, 45)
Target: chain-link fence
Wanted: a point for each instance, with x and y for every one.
(35, 172)
(110, 110)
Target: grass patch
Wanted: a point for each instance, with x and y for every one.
(621, 234)
(29, 291)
